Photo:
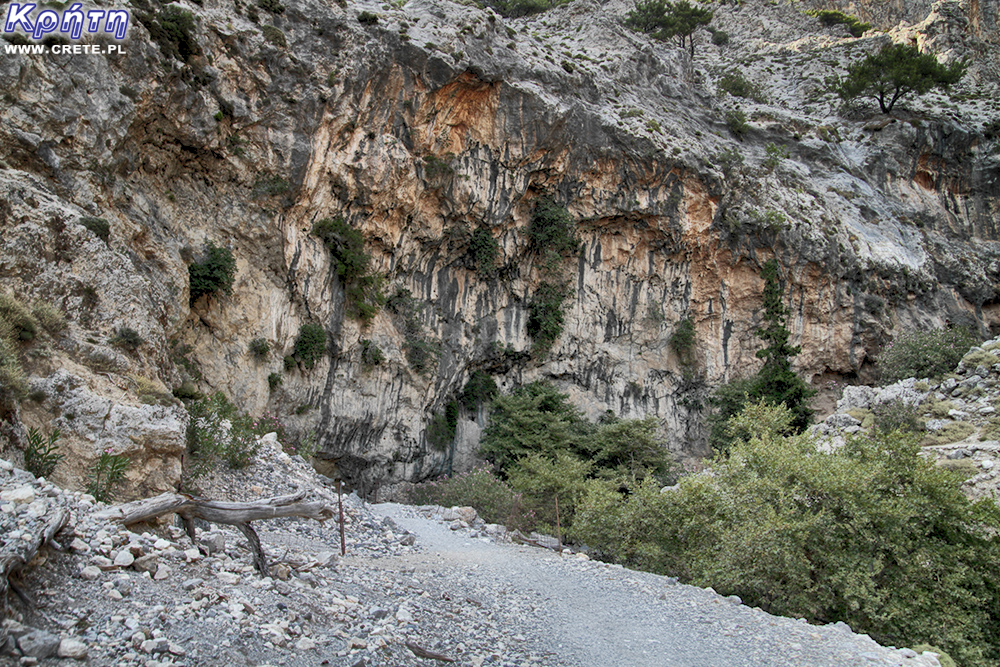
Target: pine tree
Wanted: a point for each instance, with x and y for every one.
(895, 71)
(666, 20)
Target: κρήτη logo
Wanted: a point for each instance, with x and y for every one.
(72, 21)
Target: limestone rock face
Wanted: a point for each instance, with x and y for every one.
(444, 119)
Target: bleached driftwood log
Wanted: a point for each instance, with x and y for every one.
(232, 514)
(12, 561)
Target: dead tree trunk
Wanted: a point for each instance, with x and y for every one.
(13, 561)
(232, 514)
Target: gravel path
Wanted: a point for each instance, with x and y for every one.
(594, 615)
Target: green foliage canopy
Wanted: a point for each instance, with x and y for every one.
(666, 20)
(214, 274)
(895, 71)
(872, 534)
(925, 354)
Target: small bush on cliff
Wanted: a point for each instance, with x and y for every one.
(924, 354)
(260, 348)
(362, 288)
(215, 274)
(738, 85)
(775, 382)
(173, 29)
(127, 338)
(830, 17)
(99, 227)
(485, 251)
(478, 390)
(873, 535)
(520, 8)
(442, 427)
(546, 317)
(552, 229)
(310, 346)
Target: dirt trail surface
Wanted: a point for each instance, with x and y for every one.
(591, 614)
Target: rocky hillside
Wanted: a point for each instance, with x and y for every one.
(436, 129)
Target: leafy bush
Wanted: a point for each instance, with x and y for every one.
(362, 288)
(493, 498)
(218, 432)
(479, 389)
(99, 227)
(516, 9)
(127, 338)
(260, 348)
(738, 85)
(215, 274)
(106, 473)
(775, 382)
(274, 36)
(51, 318)
(896, 416)
(546, 317)
(187, 391)
(17, 319)
(273, 6)
(310, 345)
(173, 30)
(42, 454)
(371, 354)
(830, 17)
(435, 167)
(552, 229)
(274, 380)
(895, 71)
(924, 354)
(736, 121)
(720, 37)
(873, 535)
(485, 251)
(367, 18)
(421, 352)
(775, 154)
(682, 339)
(442, 426)
(270, 186)
(289, 362)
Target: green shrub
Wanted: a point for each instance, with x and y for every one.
(310, 345)
(552, 229)
(42, 454)
(270, 186)
(218, 432)
(99, 227)
(127, 338)
(775, 154)
(106, 473)
(215, 274)
(520, 8)
(896, 416)
(18, 321)
(274, 36)
(289, 362)
(830, 17)
(775, 382)
(485, 251)
(738, 85)
(479, 390)
(682, 339)
(362, 288)
(736, 121)
(435, 167)
(421, 352)
(274, 381)
(873, 535)
(260, 348)
(367, 18)
(173, 30)
(546, 317)
(493, 498)
(371, 354)
(720, 37)
(273, 6)
(924, 354)
(442, 427)
(51, 318)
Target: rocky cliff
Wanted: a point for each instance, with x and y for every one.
(430, 120)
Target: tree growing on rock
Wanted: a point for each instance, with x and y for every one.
(668, 20)
(895, 71)
(776, 382)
